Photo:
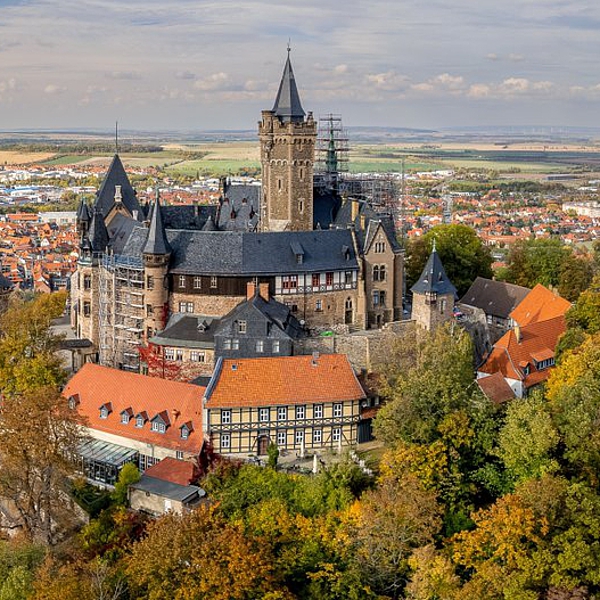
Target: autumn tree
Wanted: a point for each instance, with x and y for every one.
(585, 314)
(575, 276)
(460, 249)
(199, 555)
(391, 521)
(39, 436)
(28, 358)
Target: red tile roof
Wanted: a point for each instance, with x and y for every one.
(539, 305)
(181, 472)
(510, 355)
(283, 380)
(177, 403)
(496, 388)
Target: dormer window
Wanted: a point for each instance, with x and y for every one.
(126, 416)
(73, 401)
(105, 410)
(185, 430)
(140, 419)
(160, 422)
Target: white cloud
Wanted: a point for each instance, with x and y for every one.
(216, 81)
(389, 81)
(52, 89)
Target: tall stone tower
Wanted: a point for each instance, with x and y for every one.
(433, 294)
(287, 152)
(156, 254)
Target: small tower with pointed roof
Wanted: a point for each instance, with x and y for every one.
(156, 254)
(287, 149)
(433, 294)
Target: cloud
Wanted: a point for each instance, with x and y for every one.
(214, 82)
(124, 75)
(492, 56)
(53, 88)
(185, 75)
(389, 81)
(516, 57)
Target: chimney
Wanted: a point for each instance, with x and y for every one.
(250, 290)
(315, 359)
(518, 333)
(263, 291)
(175, 414)
(135, 215)
(118, 195)
(354, 212)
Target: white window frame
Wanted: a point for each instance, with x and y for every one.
(225, 416)
(299, 437)
(300, 412)
(318, 411)
(225, 441)
(282, 413)
(317, 436)
(276, 347)
(338, 410)
(197, 282)
(264, 415)
(282, 438)
(182, 281)
(336, 434)
(242, 327)
(260, 346)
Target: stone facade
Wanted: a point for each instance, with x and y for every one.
(430, 312)
(287, 153)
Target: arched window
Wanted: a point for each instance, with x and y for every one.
(376, 273)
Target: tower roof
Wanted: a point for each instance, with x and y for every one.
(287, 104)
(105, 198)
(83, 212)
(156, 242)
(433, 278)
(98, 233)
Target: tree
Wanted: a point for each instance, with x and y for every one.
(28, 358)
(528, 439)
(157, 365)
(438, 382)
(128, 475)
(575, 276)
(536, 261)
(391, 521)
(585, 314)
(199, 555)
(39, 436)
(461, 251)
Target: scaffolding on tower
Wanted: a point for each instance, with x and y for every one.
(331, 160)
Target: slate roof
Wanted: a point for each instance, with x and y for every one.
(282, 380)
(496, 298)
(239, 208)
(187, 217)
(539, 305)
(119, 230)
(325, 208)
(156, 242)
(84, 213)
(98, 234)
(166, 489)
(190, 331)
(287, 103)
(97, 386)
(236, 253)
(105, 198)
(433, 278)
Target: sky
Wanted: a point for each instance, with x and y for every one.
(200, 65)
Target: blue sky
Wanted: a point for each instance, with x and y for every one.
(215, 64)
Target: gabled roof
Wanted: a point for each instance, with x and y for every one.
(287, 103)
(496, 388)
(539, 305)
(496, 298)
(282, 380)
(433, 278)
(182, 402)
(170, 469)
(189, 331)
(156, 242)
(105, 198)
(513, 352)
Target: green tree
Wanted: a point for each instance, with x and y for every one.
(585, 314)
(575, 276)
(128, 475)
(461, 251)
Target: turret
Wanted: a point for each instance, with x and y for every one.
(156, 254)
(433, 294)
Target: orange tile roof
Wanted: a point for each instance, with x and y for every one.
(179, 402)
(283, 380)
(181, 472)
(539, 305)
(509, 356)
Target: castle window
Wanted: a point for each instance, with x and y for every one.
(182, 281)
(196, 356)
(242, 326)
(290, 282)
(235, 344)
(443, 306)
(87, 282)
(275, 346)
(301, 206)
(87, 311)
(179, 354)
(169, 353)
(213, 282)
(197, 282)
(379, 247)
(316, 280)
(319, 305)
(279, 184)
(149, 309)
(260, 346)
(376, 298)
(348, 277)
(382, 273)
(328, 279)
(301, 174)
(150, 282)
(375, 273)
(227, 344)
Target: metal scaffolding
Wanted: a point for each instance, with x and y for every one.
(331, 158)
(121, 312)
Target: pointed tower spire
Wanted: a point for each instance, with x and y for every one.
(287, 104)
(156, 242)
(98, 233)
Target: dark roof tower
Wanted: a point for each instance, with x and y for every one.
(156, 242)
(433, 279)
(98, 236)
(105, 198)
(287, 104)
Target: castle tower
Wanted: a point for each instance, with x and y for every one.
(287, 152)
(156, 254)
(433, 294)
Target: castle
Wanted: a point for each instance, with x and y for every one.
(332, 261)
